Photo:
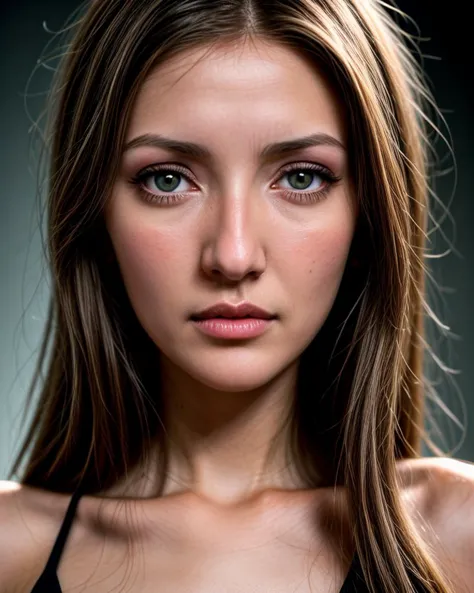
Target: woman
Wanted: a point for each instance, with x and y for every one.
(236, 159)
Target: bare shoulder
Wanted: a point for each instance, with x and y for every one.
(11, 522)
(440, 500)
(29, 520)
(445, 485)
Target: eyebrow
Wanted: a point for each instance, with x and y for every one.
(198, 151)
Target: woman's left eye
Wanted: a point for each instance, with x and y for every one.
(301, 179)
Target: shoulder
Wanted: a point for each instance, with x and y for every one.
(19, 502)
(445, 485)
(440, 501)
(29, 522)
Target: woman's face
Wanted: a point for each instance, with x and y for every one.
(236, 222)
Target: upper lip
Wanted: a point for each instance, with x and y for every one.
(229, 310)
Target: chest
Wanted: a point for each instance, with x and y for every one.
(274, 567)
(280, 552)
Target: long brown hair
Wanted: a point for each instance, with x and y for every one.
(361, 386)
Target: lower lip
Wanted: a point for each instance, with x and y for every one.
(233, 328)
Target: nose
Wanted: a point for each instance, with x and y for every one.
(234, 246)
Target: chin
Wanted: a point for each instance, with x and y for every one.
(234, 375)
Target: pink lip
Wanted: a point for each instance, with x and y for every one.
(233, 328)
(223, 309)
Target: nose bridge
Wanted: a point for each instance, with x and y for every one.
(236, 236)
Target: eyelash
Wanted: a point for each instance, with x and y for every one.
(301, 197)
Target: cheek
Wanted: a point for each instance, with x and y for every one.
(314, 271)
(319, 258)
(148, 262)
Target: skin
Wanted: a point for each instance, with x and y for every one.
(219, 529)
(235, 236)
(281, 543)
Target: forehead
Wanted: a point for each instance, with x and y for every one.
(262, 87)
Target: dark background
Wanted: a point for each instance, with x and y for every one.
(447, 30)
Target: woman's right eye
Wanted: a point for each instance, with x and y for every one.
(164, 181)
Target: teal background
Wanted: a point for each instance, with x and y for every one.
(24, 286)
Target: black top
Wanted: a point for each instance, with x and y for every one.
(48, 580)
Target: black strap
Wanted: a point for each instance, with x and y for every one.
(56, 552)
(354, 582)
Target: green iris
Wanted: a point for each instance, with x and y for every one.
(169, 184)
(300, 179)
